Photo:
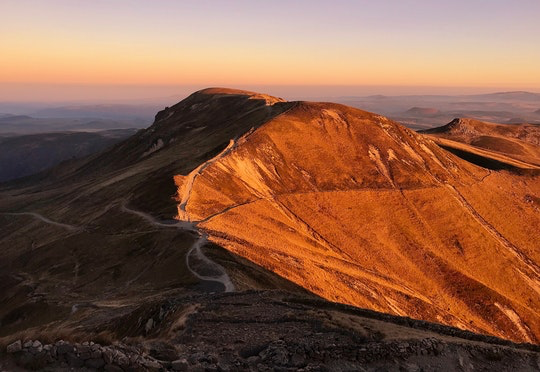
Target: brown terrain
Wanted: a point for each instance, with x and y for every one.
(316, 204)
(360, 210)
(513, 146)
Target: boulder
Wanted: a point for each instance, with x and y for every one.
(14, 347)
(122, 360)
(149, 325)
(108, 355)
(36, 347)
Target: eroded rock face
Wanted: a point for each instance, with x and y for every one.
(360, 210)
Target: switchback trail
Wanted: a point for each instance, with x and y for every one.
(194, 252)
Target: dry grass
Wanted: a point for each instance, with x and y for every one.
(359, 210)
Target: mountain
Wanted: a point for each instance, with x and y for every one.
(25, 155)
(23, 124)
(286, 214)
(144, 112)
(516, 95)
(72, 229)
(361, 210)
(428, 111)
(469, 129)
(422, 111)
(512, 146)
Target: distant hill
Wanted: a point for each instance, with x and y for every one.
(102, 111)
(517, 95)
(24, 124)
(503, 142)
(25, 155)
(422, 111)
(466, 130)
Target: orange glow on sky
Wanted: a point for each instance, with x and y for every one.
(399, 43)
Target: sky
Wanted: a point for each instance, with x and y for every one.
(62, 49)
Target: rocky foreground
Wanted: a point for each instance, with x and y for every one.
(269, 331)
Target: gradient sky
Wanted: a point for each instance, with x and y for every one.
(488, 44)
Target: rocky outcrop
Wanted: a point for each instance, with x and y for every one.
(32, 354)
(269, 331)
(408, 355)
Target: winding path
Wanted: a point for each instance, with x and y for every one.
(183, 223)
(187, 186)
(195, 251)
(43, 219)
(222, 277)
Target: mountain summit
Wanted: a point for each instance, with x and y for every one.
(360, 210)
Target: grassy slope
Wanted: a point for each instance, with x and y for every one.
(362, 211)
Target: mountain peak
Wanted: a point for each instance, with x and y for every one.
(456, 125)
(270, 100)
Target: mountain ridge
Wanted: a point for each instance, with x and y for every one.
(253, 180)
(514, 146)
(318, 199)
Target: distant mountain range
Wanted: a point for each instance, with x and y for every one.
(29, 154)
(23, 124)
(103, 111)
(428, 111)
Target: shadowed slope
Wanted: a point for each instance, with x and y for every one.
(143, 166)
(70, 236)
(361, 210)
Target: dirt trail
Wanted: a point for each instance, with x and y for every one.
(188, 184)
(185, 225)
(44, 219)
(222, 277)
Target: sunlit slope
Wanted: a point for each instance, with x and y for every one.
(515, 145)
(361, 210)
